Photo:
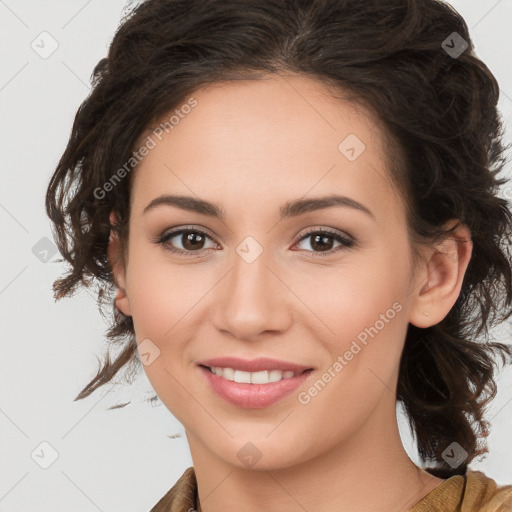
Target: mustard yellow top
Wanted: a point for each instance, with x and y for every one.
(473, 492)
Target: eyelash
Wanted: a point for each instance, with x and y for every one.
(346, 242)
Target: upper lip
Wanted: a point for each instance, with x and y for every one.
(254, 365)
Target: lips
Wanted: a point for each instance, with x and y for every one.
(253, 395)
(254, 365)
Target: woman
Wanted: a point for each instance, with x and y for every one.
(334, 166)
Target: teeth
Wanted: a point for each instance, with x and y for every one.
(263, 377)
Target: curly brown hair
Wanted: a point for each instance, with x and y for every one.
(445, 151)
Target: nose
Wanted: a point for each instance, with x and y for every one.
(252, 299)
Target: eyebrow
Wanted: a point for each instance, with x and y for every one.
(288, 210)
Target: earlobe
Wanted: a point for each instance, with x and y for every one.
(440, 281)
(122, 303)
(116, 260)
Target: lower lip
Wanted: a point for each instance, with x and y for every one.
(253, 396)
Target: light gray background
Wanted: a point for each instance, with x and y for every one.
(128, 458)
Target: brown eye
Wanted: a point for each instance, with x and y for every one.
(322, 241)
(191, 240)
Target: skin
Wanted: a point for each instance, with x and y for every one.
(251, 146)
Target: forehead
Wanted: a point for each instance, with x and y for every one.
(266, 141)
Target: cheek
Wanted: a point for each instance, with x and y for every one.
(355, 296)
(162, 294)
(168, 304)
(363, 310)
(162, 303)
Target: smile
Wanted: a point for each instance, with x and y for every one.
(253, 389)
(261, 377)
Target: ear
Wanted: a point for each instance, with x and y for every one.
(116, 259)
(439, 278)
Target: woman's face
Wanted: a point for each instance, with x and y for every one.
(327, 286)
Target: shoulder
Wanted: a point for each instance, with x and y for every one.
(473, 492)
(483, 492)
(182, 495)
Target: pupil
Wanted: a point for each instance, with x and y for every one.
(191, 240)
(320, 242)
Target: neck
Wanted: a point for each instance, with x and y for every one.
(370, 472)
